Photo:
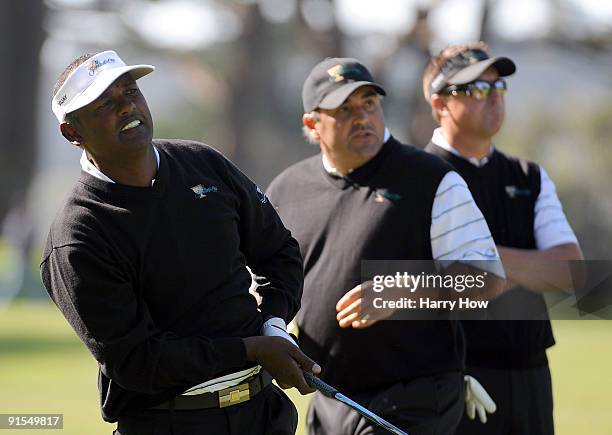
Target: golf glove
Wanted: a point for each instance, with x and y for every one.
(275, 327)
(477, 400)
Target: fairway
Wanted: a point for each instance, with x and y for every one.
(44, 368)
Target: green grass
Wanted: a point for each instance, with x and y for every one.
(44, 368)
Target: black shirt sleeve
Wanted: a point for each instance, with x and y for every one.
(271, 252)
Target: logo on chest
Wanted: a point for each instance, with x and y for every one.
(382, 194)
(517, 192)
(201, 191)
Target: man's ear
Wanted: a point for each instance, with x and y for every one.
(309, 121)
(71, 134)
(439, 104)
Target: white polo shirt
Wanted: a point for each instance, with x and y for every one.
(550, 226)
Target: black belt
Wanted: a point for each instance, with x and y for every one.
(222, 398)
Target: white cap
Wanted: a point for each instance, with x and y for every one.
(90, 79)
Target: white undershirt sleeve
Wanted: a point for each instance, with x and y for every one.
(459, 231)
(550, 225)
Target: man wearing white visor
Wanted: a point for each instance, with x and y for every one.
(147, 260)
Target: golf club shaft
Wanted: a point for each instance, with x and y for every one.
(331, 392)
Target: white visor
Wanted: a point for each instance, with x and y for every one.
(90, 79)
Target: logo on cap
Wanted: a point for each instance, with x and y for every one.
(347, 73)
(473, 56)
(335, 73)
(62, 100)
(96, 64)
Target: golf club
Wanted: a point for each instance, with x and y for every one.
(331, 392)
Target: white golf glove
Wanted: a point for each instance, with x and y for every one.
(275, 327)
(477, 400)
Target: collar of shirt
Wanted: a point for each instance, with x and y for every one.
(91, 169)
(333, 171)
(439, 139)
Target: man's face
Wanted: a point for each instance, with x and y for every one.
(476, 117)
(353, 133)
(117, 122)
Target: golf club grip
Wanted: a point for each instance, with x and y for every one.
(318, 384)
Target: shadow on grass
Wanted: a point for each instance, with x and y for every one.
(33, 345)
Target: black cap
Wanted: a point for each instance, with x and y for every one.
(332, 81)
(467, 67)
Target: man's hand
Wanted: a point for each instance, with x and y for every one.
(352, 312)
(477, 400)
(283, 360)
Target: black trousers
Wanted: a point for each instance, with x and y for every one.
(524, 402)
(270, 412)
(429, 405)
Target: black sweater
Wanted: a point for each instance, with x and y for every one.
(381, 211)
(510, 217)
(154, 279)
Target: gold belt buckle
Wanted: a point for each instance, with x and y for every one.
(233, 395)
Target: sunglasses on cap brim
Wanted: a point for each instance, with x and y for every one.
(478, 89)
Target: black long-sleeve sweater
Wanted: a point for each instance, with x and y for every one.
(154, 279)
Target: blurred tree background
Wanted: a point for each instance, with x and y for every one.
(229, 73)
